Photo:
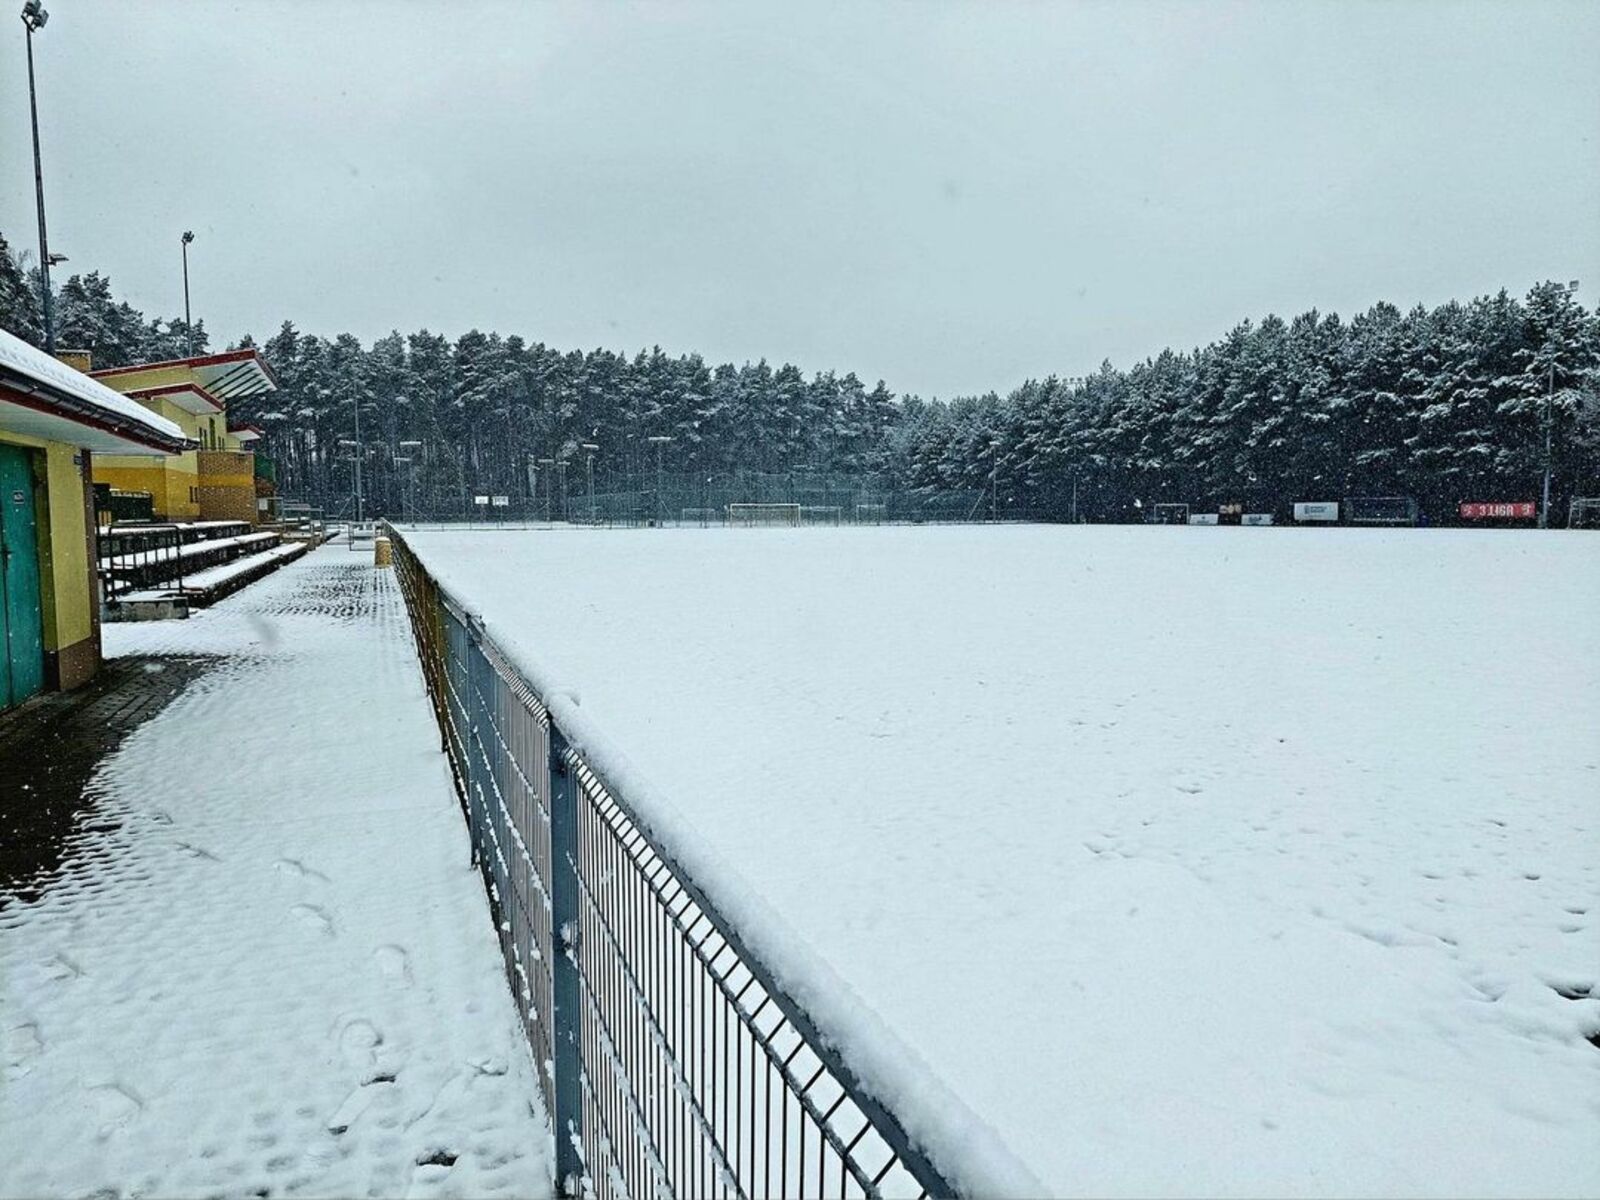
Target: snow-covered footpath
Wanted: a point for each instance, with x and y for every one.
(278, 975)
(1235, 862)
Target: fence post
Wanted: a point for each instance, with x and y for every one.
(566, 1017)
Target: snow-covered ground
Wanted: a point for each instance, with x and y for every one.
(277, 975)
(1193, 861)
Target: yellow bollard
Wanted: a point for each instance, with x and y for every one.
(382, 556)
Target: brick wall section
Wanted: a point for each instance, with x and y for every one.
(227, 485)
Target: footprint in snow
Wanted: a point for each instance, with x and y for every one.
(358, 1046)
(1188, 785)
(314, 917)
(394, 964)
(350, 1110)
(293, 866)
(359, 1100)
(59, 967)
(114, 1107)
(23, 1044)
(433, 1166)
(322, 1153)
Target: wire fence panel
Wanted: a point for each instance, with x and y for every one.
(646, 498)
(670, 1061)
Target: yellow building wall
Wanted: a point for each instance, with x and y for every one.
(66, 576)
(173, 482)
(153, 377)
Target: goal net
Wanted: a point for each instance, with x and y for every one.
(1584, 513)
(1380, 510)
(764, 514)
(821, 514)
(1170, 514)
(871, 514)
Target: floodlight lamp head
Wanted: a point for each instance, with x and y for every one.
(188, 236)
(34, 15)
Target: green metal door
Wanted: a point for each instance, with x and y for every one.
(21, 611)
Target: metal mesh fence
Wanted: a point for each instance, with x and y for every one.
(674, 498)
(671, 1062)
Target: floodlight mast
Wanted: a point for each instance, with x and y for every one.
(660, 441)
(1549, 431)
(547, 463)
(188, 321)
(589, 449)
(34, 17)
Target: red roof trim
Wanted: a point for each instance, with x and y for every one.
(128, 433)
(171, 388)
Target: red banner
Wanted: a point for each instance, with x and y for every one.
(1515, 510)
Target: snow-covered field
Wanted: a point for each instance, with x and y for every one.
(275, 972)
(1192, 861)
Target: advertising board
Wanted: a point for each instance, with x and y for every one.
(1316, 510)
(1488, 510)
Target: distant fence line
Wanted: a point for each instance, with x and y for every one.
(670, 1061)
(673, 498)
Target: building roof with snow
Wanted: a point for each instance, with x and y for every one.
(45, 398)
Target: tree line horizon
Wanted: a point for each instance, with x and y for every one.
(1444, 405)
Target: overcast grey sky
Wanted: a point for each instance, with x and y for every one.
(949, 196)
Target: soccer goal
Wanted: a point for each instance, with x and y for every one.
(1584, 513)
(1380, 510)
(1170, 514)
(763, 514)
(871, 514)
(821, 514)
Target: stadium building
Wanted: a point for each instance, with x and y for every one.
(54, 420)
(216, 481)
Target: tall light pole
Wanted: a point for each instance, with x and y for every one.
(994, 476)
(188, 321)
(412, 447)
(33, 18)
(1549, 431)
(360, 453)
(400, 460)
(660, 441)
(355, 462)
(589, 449)
(547, 463)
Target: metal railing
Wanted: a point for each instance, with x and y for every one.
(135, 556)
(670, 1061)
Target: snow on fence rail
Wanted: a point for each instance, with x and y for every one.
(672, 1062)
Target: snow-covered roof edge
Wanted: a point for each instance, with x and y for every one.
(18, 357)
(964, 1147)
